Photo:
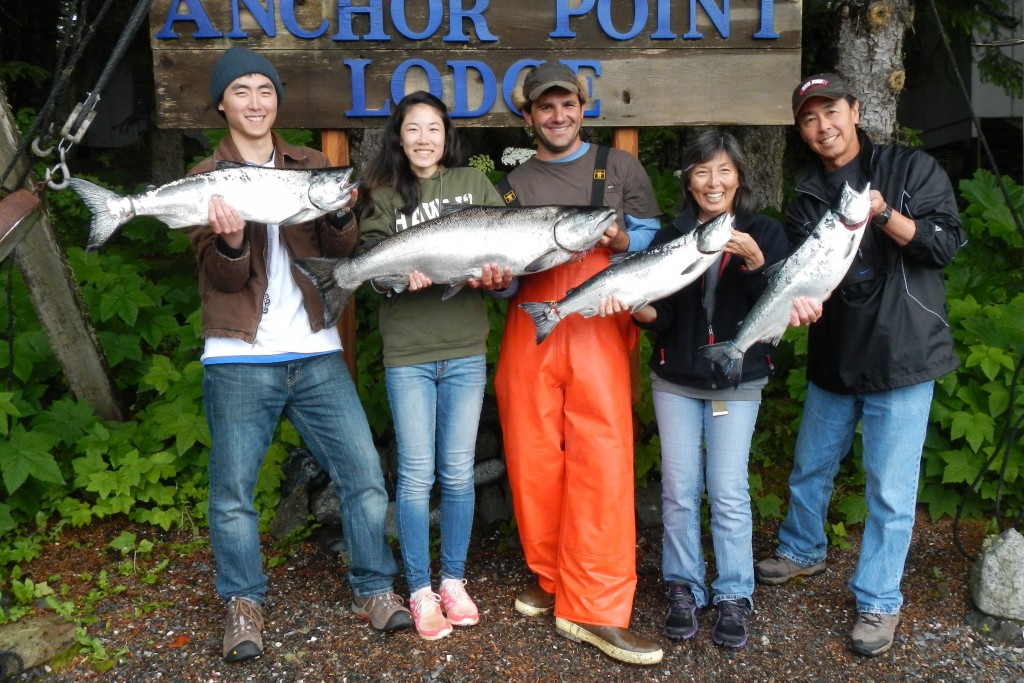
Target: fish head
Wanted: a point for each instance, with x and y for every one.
(713, 235)
(853, 208)
(578, 228)
(331, 189)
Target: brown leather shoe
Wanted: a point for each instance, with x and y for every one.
(533, 601)
(616, 642)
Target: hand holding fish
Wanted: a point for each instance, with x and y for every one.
(492, 277)
(615, 238)
(613, 305)
(744, 246)
(225, 222)
(805, 311)
(418, 280)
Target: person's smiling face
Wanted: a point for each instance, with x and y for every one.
(250, 105)
(556, 117)
(829, 127)
(713, 184)
(423, 139)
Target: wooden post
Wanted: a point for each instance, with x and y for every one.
(19, 213)
(335, 146)
(55, 296)
(627, 139)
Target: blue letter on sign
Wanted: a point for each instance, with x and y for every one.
(358, 67)
(376, 12)
(263, 16)
(562, 14)
(718, 17)
(457, 14)
(434, 85)
(767, 31)
(604, 17)
(664, 14)
(196, 14)
(487, 80)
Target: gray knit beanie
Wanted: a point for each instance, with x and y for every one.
(239, 61)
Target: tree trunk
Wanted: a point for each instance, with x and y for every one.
(764, 147)
(870, 59)
(167, 155)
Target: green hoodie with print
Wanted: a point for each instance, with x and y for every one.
(418, 327)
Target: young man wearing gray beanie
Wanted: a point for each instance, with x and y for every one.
(268, 353)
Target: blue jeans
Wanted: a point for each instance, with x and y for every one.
(244, 402)
(698, 449)
(436, 408)
(893, 426)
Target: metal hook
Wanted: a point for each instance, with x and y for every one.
(40, 152)
(65, 174)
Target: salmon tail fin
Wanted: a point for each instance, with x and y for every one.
(539, 312)
(321, 272)
(98, 199)
(728, 357)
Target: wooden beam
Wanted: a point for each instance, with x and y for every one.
(55, 295)
(19, 212)
(627, 139)
(336, 147)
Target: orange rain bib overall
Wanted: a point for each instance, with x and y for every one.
(567, 424)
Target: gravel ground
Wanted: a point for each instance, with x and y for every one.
(170, 629)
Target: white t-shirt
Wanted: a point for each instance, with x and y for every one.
(284, 332)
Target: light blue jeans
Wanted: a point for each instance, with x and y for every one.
(699, 450)
(893, 426)
(243, 403)
(436, 408)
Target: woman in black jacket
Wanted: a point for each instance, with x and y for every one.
(705, 424)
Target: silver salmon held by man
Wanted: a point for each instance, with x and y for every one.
(453, 248)
(813, 270)
(638, 278)
(265, 195)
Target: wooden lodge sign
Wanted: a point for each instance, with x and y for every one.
(345, 62)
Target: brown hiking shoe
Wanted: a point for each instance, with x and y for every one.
(777, 570)
(873, 633)
(385, 612)
(533, 601)
(243, 632)
(616, 642)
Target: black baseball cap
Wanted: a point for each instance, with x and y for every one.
(820, 85)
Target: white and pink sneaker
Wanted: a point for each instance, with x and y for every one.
(459, 607)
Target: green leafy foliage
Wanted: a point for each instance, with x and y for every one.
(972, 407)
(59, 463)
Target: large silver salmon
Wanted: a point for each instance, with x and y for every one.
(813, 270)
(453, 248)
(639, 278)
(265, 195)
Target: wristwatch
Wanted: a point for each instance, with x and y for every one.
(883, 218)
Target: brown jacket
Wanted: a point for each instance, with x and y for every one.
(232, 289)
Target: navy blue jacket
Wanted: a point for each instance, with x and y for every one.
(682, 325)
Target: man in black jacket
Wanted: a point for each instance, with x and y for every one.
(873, 356)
